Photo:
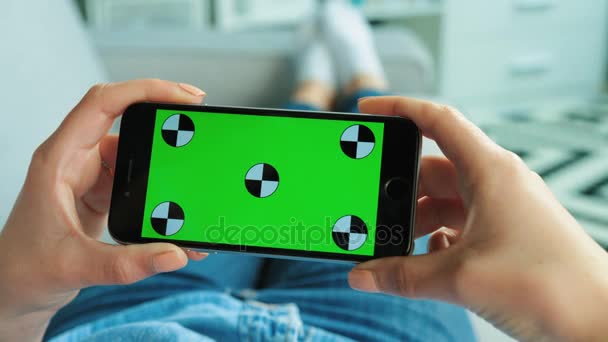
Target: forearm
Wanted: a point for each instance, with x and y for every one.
(588, 317)
(577, 311)
(19, 320)
(28, 327)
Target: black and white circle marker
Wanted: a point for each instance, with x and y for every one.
(349, 233)
(358, 141)
(178, 130)
(167, 218)
(262, 180)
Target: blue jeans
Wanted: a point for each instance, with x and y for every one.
(236, 297)
(220, 298)
(348, 104)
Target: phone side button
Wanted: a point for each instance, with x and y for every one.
(396, 188)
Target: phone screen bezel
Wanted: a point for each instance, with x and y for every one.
(395, 219)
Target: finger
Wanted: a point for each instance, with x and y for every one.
(461, 141)
(108, 150)
(437, 178)
(420, 276)
(195, 256)
(435, 213)
(91, 119)
(443, 239)
(95, 203)
(112, 265)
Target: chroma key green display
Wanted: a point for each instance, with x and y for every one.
(265, 181)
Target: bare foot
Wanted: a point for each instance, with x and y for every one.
(365, 82)
(316, 94)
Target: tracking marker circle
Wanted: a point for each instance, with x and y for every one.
(167, 218)
(357, 141)
(350, 233)
(262, 180)
(178, 130)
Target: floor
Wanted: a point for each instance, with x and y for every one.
(567, 147)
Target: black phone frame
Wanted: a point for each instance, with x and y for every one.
(395, 219)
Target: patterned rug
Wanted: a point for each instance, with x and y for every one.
(569, 149)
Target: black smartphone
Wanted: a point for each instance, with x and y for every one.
(292, 184)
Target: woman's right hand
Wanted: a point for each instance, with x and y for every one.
(512, 253)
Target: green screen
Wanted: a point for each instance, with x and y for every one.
(319, 185)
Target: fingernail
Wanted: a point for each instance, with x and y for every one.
(363, 280)
(167, 262)
(364, 98)
(191, 89)
(200, 254)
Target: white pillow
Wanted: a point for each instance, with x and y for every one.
(46, 64)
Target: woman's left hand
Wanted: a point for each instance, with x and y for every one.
(49, 246)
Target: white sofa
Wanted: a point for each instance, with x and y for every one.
(46, 65)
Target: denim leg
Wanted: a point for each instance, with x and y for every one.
(222, 272)
(294, 105)
(325, 300)
(321, 292)
(350, 104)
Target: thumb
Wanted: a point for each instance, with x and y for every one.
(422, 276)
(113, 264)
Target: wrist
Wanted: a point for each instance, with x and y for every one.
(24, 316)
(27, 327)
(14, 292)
(576, 305)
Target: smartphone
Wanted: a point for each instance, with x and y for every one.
(291, 184)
